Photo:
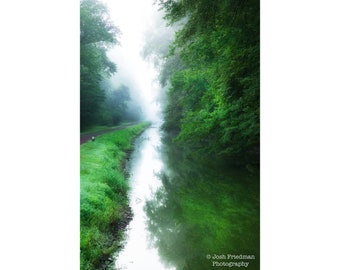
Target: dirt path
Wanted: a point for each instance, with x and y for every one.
(87, 137)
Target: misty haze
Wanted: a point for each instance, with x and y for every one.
(169, 156)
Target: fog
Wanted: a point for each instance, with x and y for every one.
(135, 19)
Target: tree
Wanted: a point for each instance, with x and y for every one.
(95, 23)
(216, 92)
(115, 105)
(97, 34)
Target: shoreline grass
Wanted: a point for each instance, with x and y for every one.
(103, 193)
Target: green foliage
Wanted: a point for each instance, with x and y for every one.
(213, 100)
(103, 193)
(115, 106)
(95, 23)
(97, 33)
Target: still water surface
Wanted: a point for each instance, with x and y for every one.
(144, 166)
(189, 210)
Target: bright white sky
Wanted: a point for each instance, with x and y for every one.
(133, 17)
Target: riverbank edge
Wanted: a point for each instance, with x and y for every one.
(114, 230)
(119, 226)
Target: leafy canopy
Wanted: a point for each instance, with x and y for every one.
(213, 72)
(97, 34)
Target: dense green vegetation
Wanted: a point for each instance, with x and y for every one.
(213, 73)
(100, 102)
(114, 108)
(103, 193)
(97, 33)
(204, 208)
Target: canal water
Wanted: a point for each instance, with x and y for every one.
(190, 212)
(144, 166)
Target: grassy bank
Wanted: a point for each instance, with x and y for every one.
(103, 193)
(103, 128)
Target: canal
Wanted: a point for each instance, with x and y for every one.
(189, 212)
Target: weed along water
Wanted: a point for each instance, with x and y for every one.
(189, 212)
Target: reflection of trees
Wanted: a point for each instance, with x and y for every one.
(199, 212)
(163, 227)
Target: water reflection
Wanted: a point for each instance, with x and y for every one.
(144, 167)
(189, 212)
(204, 209)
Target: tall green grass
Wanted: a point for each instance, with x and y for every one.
(103, 193)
